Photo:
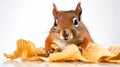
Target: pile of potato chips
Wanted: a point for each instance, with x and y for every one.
(94, 53)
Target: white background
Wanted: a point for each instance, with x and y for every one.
(32, 19)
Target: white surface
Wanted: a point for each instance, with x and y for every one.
(18, 63)
(54, 64)
(32, 19)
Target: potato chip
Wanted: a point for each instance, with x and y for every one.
(46, 59)
(115, 50)
(26, 50)
(71, 52)
(114, 61)
(117, 57)
(17, 53)
(94, 52)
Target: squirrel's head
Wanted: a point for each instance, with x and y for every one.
(67, 24)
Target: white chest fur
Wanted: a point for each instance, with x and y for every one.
(60, 43)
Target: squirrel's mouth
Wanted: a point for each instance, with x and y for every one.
(66, 38)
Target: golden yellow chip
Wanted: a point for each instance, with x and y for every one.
(114, 61)
(26, 50)
(71, 52)
(117, 57)
(17, 53)
(94, 52)
(115, 50)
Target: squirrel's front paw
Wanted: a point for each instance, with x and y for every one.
(54, 48)
(81, 49)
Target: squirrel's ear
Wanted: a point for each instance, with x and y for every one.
(78, 10)
(54, 10)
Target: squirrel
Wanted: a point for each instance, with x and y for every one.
(68, 28)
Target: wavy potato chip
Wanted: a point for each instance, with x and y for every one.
(26, 50)
(115, 50)
(94, 52)
(17, 53)
(114, 61)
(71, 52)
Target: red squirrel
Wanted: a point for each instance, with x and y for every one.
(68, 28)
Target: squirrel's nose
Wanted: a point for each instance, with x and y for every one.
(65, 34)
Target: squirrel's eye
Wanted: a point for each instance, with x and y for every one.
(75, 22)
(55, 23)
